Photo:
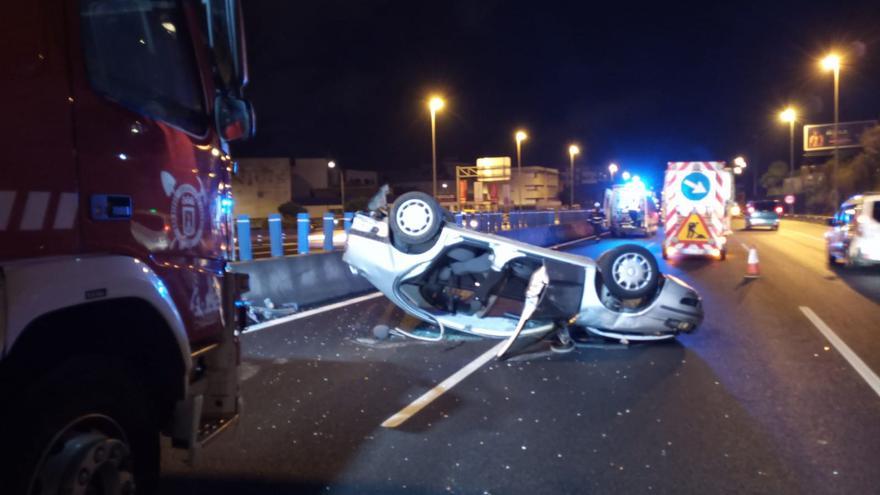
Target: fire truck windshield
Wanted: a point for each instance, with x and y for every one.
(140, 54)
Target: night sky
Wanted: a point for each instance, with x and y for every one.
(638, 85)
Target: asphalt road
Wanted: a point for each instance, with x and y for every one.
(757, 401)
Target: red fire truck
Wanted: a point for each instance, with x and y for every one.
(118, 317)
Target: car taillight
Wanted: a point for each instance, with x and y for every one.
(779, 210)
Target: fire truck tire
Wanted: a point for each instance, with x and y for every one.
(87, 424)
(629, 271)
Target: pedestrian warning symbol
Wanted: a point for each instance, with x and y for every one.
(693, 229)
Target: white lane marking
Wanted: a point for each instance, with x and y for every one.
(310, 312)
(861, 368)
(7, 198)
(66, 211)
(431, 395)
(34, 210)
(786, 233)
(745, 246)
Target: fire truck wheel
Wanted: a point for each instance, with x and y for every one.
(629, 271)
(87, 427)
(416, 218)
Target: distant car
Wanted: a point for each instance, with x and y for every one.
(854, 238)
(763, 214)
(489, 286)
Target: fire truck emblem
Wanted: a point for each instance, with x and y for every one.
(187, 215)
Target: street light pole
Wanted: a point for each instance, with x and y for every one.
(789, 115)
(572, 151)
(434, 104)
(332, 165)
(832, 63)
(520, 136)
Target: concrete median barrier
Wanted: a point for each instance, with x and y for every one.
(306, 280)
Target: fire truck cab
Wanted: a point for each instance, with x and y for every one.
(118, 316)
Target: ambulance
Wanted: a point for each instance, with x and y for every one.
(630, 209)
(697, 198)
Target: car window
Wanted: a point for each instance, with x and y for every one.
(875, 211)
(139, 54)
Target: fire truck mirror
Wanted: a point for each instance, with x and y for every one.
(234, 118)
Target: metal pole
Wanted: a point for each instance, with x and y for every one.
(434, 150)
(836, 141)
(791, 148)
(518, 172)
(342, 187)
(571, 187)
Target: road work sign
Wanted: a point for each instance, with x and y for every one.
(693, 229)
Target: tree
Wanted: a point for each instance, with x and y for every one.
(775, 174)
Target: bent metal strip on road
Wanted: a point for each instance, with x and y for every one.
(851, 357)
(431, 395)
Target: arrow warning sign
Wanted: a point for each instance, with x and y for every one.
(693, 230)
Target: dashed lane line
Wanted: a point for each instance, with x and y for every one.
(851, 357)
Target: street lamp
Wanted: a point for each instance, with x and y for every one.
(789, 115)
(573, 150)
(331, 165)
(520, 136)
(612, 169)
(625, 175)
(831, 62)
(435, 104)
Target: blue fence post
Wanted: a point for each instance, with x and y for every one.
(302, 233)
(275, 243)
(243, 225)
(458, 219)
(346, 221)
(328, 231)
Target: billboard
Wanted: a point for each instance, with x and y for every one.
(496, 168)
(818, 137)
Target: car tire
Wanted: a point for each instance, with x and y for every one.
(86, 419)
(723, 254)
(629, 271)
(416, 218)
(832, 261)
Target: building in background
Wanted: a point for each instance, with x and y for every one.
(261, 185)
(493, 184)
(264, 184)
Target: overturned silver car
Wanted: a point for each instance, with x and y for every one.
(492, 286)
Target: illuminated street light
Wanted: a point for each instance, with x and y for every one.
(789, 115)
(520, 136)
(625, 175)
(740, 162)
(831, 62)
(573, 150)
(331, 165)
(435, 104)
(612, 169)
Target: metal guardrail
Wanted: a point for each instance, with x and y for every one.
(280, 243)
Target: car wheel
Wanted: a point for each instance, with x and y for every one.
(832, 261)
(416, 218)
(85, 427)
(629, 271)
(723, 254)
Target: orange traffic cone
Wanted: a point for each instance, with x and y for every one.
(752, 269)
